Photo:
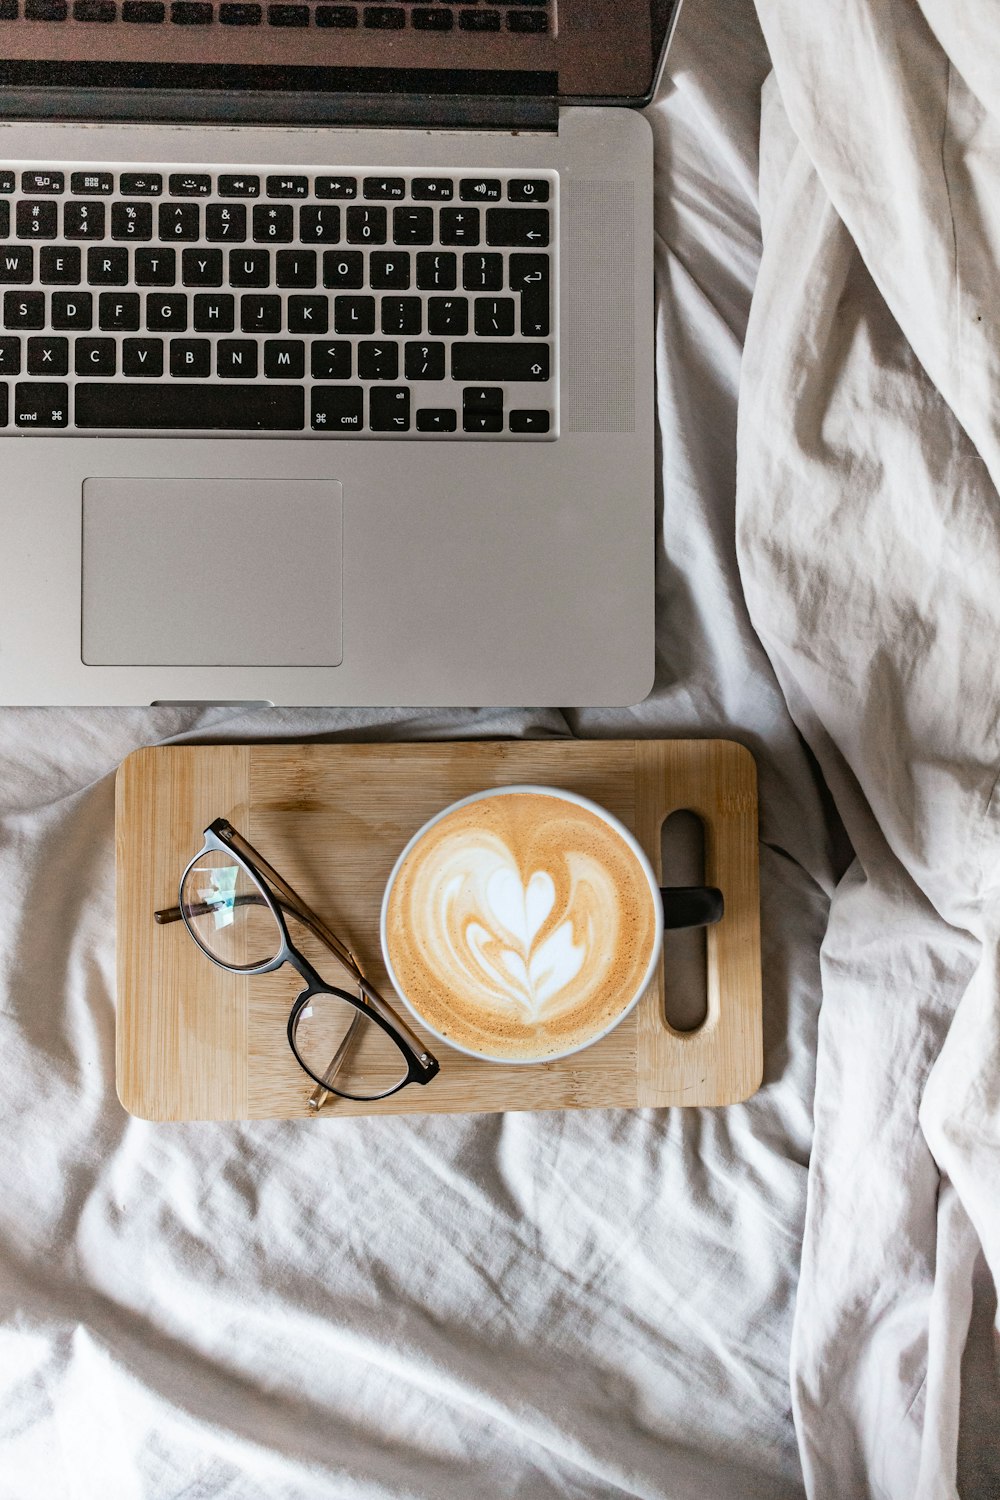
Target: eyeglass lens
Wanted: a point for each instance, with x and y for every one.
(227, 913)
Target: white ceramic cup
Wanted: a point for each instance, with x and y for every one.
(627, 838)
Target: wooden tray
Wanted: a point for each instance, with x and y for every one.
(196, 1043)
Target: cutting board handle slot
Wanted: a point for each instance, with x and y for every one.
(685, 949)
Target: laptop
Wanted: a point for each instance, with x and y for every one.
(326, 358)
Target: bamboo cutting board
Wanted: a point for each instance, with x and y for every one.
(197, 1043)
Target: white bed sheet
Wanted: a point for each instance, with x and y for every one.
(585, 1304)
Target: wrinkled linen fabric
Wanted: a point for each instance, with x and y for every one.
(869, 543)
(588, 1303)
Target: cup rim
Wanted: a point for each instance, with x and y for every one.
(613, 822)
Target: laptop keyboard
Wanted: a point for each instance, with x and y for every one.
(324, 302)
(525, 16)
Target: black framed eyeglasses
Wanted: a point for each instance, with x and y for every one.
(241, 914)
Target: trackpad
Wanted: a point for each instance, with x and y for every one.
(212, 572)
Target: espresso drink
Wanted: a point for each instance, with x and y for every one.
(520, 926)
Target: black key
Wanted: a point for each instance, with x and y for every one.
(288, 15)
(460, 226)
(190, 358)
(155, 267)
(366, 226)
(448, 315)
(24, 309)
(319, 223)
(132, 221)
(260, 314)
(284, 359)
(167, 312)
(201, 267)
(308, 314)
(330, 361)
(480, 190)
(4, 220)
(197, 408)
(72, 310)
(343, 16)
(529, 275)
(436, 419)
(10, 356)
(83, 221)
(389, 270)
(287, 187)
(482, 398)
(189, 184)
(337, 408)
(95, 10)
(48, 356)
(4, 404)
(494, 317)
(273, 221)
(6, 182)
(384, 18)
(37, 221)
(479, 20)
(144, 12)
(476, 362)
(430, 20)
(482, 273)
(296, 268)
(59, 265)
(43, 182)
(118, 311)
(40, 404)
(528, 190)
(191, 13)
(336, 187)
(226, 221)
(423, 362)
(517, 226)
(214, 314)
(437, 272)
(141, 184)
(249, 268)
(378, 361)
(107, 267)
(433, 189)
(401, 315)
(344, 269)
(96, 356)
(142, 357)
(529, 421)
(91, 184)
(17, 263)
(527, 20)
(413, 226)
(389, 409)
(240, 15)
(179, 221)
(482, 421)
(238, 185)
(236, 359)
(354, 314)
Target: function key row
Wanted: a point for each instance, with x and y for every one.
(277, 185)
(424, 17)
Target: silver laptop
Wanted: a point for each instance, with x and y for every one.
(326, 359)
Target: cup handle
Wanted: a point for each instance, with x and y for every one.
(691, 906)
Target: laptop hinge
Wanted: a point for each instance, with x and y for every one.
(294, 107)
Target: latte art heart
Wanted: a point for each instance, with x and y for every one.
(518, 924)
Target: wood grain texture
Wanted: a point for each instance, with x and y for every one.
(197, 1043)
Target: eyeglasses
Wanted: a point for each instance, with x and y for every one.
(238, 910)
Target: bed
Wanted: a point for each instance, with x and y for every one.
(791, 1296)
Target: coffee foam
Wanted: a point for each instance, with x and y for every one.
(520, 926)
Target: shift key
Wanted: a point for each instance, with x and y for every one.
(480, 363)
(41, 403)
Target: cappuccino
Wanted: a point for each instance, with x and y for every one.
(521, 924)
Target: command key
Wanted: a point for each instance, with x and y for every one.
(41, 403)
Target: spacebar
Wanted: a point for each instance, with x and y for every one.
(234, 408)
